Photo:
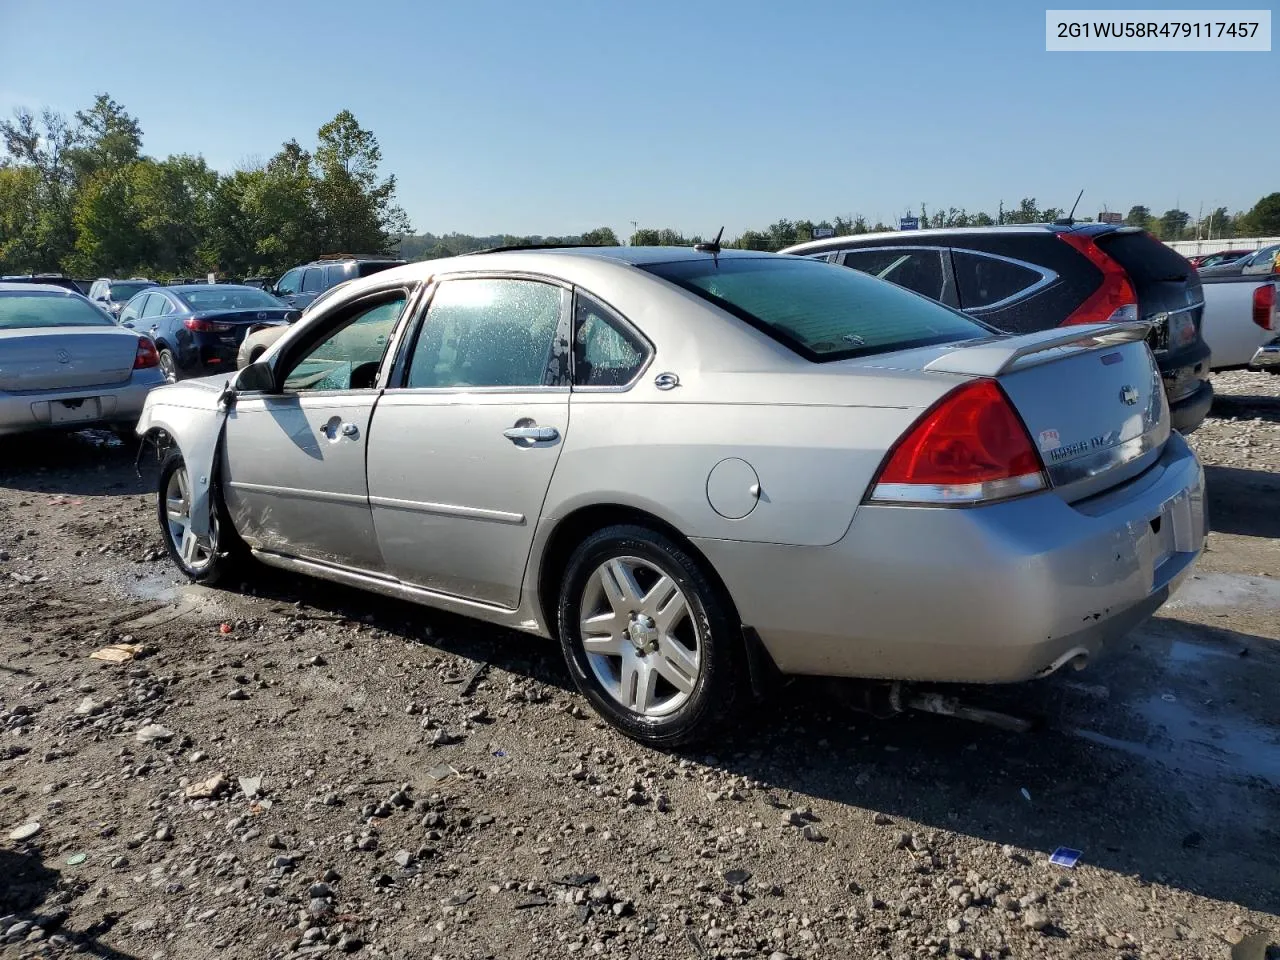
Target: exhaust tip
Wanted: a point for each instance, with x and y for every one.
(1077, 657)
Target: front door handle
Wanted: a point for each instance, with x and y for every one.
(536, 434)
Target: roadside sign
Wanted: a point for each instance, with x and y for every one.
(213, 278)
(1111, 216)
(821, 233)
(909, 223)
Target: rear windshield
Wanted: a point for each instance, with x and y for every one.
(121, 292)
(20, 311)
(819, 310)
(230, 298)
(1145, 258)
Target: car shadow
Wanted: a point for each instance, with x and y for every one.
(1244, 502)
(27, 885)
(1112, 767)
(73, 464)
(1246, 407)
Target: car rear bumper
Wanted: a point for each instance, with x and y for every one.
(1185, 373)
(1188, 412)
(993, 594)
(32, 410)
(1267, 357)
(209, 353)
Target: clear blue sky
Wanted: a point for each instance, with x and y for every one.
(550, 117)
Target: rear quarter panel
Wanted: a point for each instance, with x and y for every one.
(813, 462)
(1227, 325)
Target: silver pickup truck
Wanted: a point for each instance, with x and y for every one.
(1241, 321)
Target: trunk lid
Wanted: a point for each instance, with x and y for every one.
(1091, 399)
(1167, 286)
(62, 358)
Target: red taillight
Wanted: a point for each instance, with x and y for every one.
(969, 448)
(199, 326)
(146, 357)
(1264, 306)
(1114, 301)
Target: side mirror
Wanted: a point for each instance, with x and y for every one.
(256, 378)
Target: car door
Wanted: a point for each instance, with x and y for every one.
(294, 458)
(289, 286)
(464, 444)
(926, 270)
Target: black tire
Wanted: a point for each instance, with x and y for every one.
(722, 681)
(168, 364)
(228, 550)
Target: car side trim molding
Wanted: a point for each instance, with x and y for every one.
(448, 510)
(298, 493)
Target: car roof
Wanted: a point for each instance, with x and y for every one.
(834, 243)
(10, 287)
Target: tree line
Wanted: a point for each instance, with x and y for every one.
(79, 196)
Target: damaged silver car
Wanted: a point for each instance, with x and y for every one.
(691, 466)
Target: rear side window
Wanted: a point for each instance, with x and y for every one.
(371, 267)
(335, 274)
(820, 311)
(918, 270)
(155, 306)
(605, 352)
(313, 280)
(983, 281)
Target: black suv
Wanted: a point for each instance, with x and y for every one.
(1033, 277)
(303, 284)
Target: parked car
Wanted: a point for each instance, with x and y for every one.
(1262, 263)
(112, 295)
(64, 364)
(1240, 316)
(46, 279)
(303, 284)
(1213, 259)
(198, 327)
(695, 466)
(1039, 276)
(263, 335)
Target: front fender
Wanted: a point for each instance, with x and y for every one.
(192, 414)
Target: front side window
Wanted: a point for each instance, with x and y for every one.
(820, 311)
(487, 333)
(605, 352)
(350, 357)
(983, 281)
(291, 282)
(918, 270)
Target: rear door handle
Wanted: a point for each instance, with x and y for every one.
(537, 434)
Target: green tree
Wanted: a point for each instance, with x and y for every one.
(1139, 216)
(601, 236)
(19, 216)
(1172, 223)
(1263, 220)
(109, 238)
(106, 137)
(356, 208)
(43, 143)
(1027, 212)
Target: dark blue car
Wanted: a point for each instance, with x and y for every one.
(198, 327)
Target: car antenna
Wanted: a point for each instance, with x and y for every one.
(1069, 219)
(712, 247)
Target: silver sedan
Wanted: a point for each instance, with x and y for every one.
(64, 363)
(693, 465)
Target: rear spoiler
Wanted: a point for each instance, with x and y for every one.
(991, 358)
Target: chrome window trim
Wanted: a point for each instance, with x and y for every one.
(1047, 277)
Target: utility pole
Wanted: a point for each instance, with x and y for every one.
(635, 228)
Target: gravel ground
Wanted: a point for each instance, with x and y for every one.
(294, 769)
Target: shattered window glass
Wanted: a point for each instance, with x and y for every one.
(487, 333)
(605, 353)
(350, 358)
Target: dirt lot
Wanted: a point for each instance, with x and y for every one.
(333, 775)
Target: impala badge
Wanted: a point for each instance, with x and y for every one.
(1128, 395)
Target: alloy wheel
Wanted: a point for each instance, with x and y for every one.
(642, 640)
(196, 552)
